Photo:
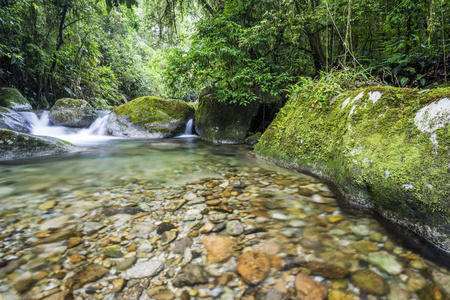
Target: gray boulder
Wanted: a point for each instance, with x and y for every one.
(11, 120)
(14, 145)
(72, 113)
(150, 117)
(221, 122)
(13, 99)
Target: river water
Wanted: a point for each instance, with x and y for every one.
(122, 219)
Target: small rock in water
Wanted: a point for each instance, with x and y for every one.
(85, 275)
(144, 269)
(219, 248)
(47, 205)
(370, 282)
(191, 275)
(181, 245)
(361, 230)
(142, 229)
(234, 228)
(163, 227)
(385, 262)
(253, 267)
(327, 270)
(130, 293)
(55, 223)
(308, 288)
(168, 237)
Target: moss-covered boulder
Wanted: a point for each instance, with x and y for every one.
(150, 117)
(14, 145)
(221, 122)
(13, 99)
(72, 113)
(12, 120)
(384, 148)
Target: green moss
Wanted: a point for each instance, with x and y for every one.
(12, 98)
(222, 122)
(372, 151)
(70, 103)
(147, 110)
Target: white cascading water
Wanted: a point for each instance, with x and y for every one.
(42, 126)
(189, 131)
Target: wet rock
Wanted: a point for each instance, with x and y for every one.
(125, 263)
(327, 270)
(56, 237)
(15, 145)
(144, 269)
(142, 229)
(308, 288)
(190, 275)
(13, 99)
(73, 242)
(47, 205)
(340, 295)
(361, 230)
(398, 292)
(385, 262)
(218, 248)
(72, 113)
(415, 282)
(85, 275)
(365, 247)
(55, 223)
(161, 293)
(65, 295)
(91, 227)
(442, 279)
(370, 282)
(25, 283)
(76, 258)
(181, 245)
(163, 227)
(118, 284)
(431, 292)
(168, 237)
(234, 228)
(253, 267)
(274, 294)
(116, 210)
(145, 248)
(132, 293)
(114, 253)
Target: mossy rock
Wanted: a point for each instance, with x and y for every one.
(150, 117)
(12, 120)
(385, 148)
(221, 122)
(14, 145)
(72, 113)
(13, 99)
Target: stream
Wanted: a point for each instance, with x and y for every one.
(185, 219)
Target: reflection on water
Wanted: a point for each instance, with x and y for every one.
(101, 207)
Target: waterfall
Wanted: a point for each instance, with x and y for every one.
(85, 136)
(189, 131)
(189, 127)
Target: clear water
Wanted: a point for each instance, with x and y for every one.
(124, 167)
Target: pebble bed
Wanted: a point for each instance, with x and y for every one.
(219, 226)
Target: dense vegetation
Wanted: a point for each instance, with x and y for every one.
(108, 51)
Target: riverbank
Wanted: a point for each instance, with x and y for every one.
(385, 148)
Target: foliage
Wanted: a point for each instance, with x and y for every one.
(320, 92)
(106, 51)
(243, 46)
